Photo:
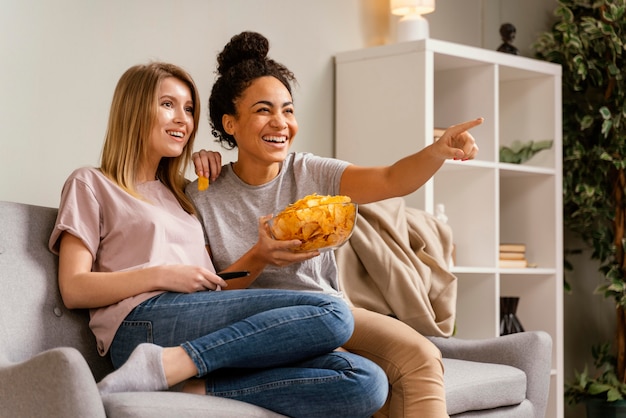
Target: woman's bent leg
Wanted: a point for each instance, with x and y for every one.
(337, 384)
(412, 364)
(249, 328)
(267, 347)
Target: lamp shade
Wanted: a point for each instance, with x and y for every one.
(406, 7)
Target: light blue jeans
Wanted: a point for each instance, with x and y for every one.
(271, 348)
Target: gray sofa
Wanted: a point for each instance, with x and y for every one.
(49, 365)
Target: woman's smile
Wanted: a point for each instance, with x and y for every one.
(265, 124)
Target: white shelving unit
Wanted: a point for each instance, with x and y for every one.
(388, 101)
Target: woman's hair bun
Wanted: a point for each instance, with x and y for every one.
(242, 47)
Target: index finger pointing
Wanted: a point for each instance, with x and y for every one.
(465, 126)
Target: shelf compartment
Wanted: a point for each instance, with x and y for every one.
(528, 216)
(468, 194)
(465, 94)
(477, 306)
(535, 291)
(527, 113)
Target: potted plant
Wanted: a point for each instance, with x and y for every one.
(588, 41)
(603, 392)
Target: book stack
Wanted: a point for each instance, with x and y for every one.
(513, 256)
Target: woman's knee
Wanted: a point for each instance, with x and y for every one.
(342, 321)
(369, 387)
(420, 356)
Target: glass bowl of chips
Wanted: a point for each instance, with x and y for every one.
(322, 223)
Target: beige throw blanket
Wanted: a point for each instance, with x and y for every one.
(396, 264)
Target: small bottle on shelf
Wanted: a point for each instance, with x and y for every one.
(440, 215)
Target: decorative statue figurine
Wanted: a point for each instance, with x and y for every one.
(507, 33)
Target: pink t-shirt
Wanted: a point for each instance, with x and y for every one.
(123, 232)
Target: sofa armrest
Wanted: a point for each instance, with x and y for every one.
(57, 382)
(530, 352)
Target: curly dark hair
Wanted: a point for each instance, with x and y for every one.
(243, 60)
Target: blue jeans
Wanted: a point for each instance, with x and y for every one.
(271, 348)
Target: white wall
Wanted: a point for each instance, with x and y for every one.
(62, 59)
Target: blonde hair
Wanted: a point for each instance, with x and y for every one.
(132, 115)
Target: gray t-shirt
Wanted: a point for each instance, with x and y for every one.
(230, 209)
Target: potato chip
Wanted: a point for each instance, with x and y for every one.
(203, 183)
(318, 221)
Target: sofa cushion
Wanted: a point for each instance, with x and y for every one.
(180, 405)
(472, 386)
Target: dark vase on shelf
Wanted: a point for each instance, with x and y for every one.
(509, 323)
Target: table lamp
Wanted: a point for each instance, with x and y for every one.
(412, 26)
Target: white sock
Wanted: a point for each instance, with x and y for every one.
(142, 372)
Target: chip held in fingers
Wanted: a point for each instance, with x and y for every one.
(203, 183)
(320, 222)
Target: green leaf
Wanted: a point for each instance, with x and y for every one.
(605, 156)
(606, 28)
(565, 14)
(605, 112)
(606, 127)
(519, 152)
(598, 388)
(587, 121)
(613, 395)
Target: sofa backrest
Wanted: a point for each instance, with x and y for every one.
(32, 315)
